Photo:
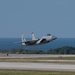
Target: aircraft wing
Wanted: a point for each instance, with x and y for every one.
(41, 40)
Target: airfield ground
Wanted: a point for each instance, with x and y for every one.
(10, 64)
(32, 72)
(46, 58)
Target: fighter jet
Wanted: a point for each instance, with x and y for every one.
(35, 41)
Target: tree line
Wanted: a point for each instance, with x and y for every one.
(62, 50)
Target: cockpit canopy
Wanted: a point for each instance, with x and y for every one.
(48, 34)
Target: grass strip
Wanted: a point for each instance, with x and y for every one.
(33, 72)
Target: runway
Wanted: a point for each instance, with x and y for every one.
(32, 56)
(37, 66)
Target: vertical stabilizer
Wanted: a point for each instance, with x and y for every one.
(33, 36)
(23, 39)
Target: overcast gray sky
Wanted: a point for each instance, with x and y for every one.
(40, 16)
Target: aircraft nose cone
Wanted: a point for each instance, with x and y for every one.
(54, 37)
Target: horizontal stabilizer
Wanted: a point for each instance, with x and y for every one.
(19, 42)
